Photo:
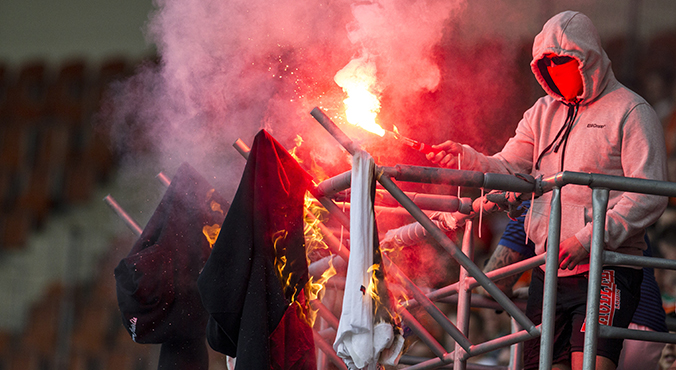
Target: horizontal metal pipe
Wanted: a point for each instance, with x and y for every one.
(437, 175)
(317, 268)
(501, 181)
(333, 185)
(392, 211)
(606, 331)
(432, 202)
(410, 234)
(611, 182)
(614, 258)
(494, 275)
(128, 220)
(481, 301)
(501, 342)
(434, 175)
(411, 360)
(433, 363)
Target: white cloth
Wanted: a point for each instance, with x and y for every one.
(355, 342)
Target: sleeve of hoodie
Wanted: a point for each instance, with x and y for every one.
(643, 156)
(515, 157)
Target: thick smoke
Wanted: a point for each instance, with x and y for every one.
(226, 69)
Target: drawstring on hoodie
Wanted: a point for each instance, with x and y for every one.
(565, 130)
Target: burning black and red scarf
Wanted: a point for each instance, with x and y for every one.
(258, 267)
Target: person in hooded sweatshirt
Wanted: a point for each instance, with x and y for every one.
(587, 122)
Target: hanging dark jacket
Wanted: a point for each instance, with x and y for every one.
(258, 266)
(157, 282)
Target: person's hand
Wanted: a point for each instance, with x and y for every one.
(571, 253)
(446, 155)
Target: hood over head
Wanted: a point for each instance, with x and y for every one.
(572, 34)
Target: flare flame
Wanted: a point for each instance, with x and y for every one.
(362, 105)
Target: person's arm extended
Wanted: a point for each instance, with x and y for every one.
(503, 256)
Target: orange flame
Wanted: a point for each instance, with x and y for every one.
(358, 80)
(280, 258)
(213, 205)
(298, 141)
(318, 286)
(211, 232)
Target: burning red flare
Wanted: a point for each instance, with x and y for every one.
(358, 80)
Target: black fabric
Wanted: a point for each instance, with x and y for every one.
(571, 303)
(650, 312)
(157, 282)
(241, 285)
(186, 354)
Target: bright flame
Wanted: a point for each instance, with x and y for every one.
(314, 239)
(211, 232)
(316, 287)
(280, 258)
(358, 80)
(298, 141)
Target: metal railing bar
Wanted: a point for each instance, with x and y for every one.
(126, 218)
(614, 258)
(606, 331)
(551, 279)
(599, 205)
(503, 341)
(457, 254)
(494, 275)
(412, 360)
(423, 334)
(464, 296)
(619, 183)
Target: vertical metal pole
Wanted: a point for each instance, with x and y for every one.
(516, 350)
(600, 204)
(464, 296)
(551, 278)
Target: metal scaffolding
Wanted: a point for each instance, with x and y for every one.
(600, 185)
(471, 275)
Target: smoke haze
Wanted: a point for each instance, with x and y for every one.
(227, 69)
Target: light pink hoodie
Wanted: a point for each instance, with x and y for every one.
(614, 132)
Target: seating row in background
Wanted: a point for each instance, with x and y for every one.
(51, 154)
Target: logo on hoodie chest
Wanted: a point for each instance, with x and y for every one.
(595, 125)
